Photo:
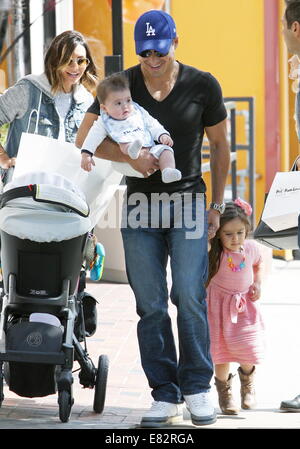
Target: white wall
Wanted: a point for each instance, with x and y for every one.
(64, 21)
(36, 36)
(64, 16)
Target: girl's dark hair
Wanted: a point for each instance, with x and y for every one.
(292, 12)
(232, 211)
(113, 83)
(59, 54)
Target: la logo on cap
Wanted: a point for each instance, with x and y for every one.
(150, 31)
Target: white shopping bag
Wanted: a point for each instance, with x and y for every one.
(40, 153)
(282, 206)
(126, 169)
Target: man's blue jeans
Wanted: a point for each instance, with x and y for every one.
(146, 253)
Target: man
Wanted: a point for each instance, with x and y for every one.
(164, 221)
(291, 34)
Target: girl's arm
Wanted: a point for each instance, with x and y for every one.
(255, 289)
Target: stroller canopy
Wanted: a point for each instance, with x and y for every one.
(52, 210)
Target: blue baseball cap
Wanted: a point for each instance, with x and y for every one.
(154, 30)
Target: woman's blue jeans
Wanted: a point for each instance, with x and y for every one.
(146, 252)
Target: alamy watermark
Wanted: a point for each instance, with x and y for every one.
(184, 211)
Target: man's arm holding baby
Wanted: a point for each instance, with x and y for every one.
(109, 150)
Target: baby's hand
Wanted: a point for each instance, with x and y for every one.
(165, 139)
(254, 291)
(87, 162)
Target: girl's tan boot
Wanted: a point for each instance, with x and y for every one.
(226, 402)
(248, 400)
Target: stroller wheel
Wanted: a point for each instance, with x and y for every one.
(1, 390)
(1, 383)
(100, 384)
(65, 404)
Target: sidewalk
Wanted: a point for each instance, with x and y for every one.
(128, 395)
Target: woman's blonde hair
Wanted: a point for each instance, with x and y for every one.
(58, 56)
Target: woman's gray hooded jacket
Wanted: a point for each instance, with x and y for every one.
(19, 106)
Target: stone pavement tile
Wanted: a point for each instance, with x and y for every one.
(128, 394)
(116, 337)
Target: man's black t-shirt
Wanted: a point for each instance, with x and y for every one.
(194, 103)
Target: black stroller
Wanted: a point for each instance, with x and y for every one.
(46, 314)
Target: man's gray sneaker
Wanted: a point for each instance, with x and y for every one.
(292, 405)
(201, 409)
(161, 413)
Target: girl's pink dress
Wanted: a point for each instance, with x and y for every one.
(236, 325)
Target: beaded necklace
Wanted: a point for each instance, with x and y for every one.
(234, 267)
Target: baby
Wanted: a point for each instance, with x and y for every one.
(131, 126)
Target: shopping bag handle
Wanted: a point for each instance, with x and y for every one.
(37, 112)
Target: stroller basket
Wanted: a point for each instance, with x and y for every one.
(38, 341)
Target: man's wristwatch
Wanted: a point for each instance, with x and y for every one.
(218, 207)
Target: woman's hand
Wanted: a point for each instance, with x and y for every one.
(6, 162)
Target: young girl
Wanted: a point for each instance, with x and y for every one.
(236, 326)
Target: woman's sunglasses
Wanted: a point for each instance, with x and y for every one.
(148, 53)
(79, 61)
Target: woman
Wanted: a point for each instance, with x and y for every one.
(53, 103)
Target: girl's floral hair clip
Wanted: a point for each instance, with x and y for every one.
(243, 205)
